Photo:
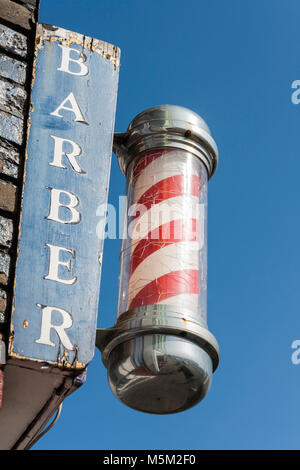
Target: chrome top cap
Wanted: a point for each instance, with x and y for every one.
(168, 115)
(167, 126)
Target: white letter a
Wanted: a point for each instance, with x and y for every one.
(74, 108)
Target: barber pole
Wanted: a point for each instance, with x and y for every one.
(164, 262)
(160, 355)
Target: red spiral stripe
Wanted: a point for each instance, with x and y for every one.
(185, 229)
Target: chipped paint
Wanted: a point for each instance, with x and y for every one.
(31, 109)
(12, 41)
(62, 363)
(4, 266)
(6, 231)
(11, 127)
(13, 69)
(67, 38)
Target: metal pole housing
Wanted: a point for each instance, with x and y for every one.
(160, 355)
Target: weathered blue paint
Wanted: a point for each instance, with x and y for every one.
(12, 41)
(11, 127)
(95, 94)
(13, 69)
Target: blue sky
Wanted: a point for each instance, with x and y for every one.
(233, 63)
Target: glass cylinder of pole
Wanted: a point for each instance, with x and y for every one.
(160, 355)
(163, 256)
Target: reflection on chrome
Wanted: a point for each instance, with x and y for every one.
(159, 373)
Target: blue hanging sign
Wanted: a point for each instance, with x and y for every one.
(67, 167)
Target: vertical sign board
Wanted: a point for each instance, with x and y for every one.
(67, 169)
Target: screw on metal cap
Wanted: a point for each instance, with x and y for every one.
(167, 126)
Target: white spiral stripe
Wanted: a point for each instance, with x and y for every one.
(176, 257)
(154, 173)
(176, 208)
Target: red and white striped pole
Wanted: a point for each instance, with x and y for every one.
(160, 355)
(165, 239)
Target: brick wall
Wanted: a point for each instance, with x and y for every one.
(17, 34)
